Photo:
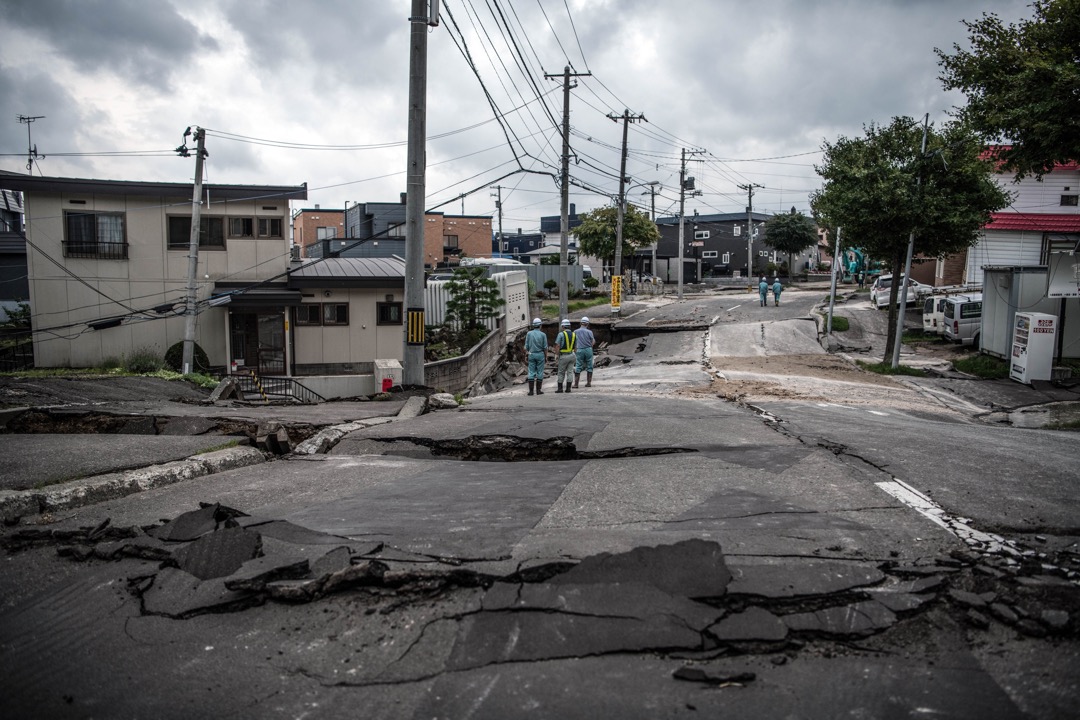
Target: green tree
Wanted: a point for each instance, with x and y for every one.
(596, 233)
(474, 297)
(556, 259)
(790, 233)
(1022, 84)
(880, 188)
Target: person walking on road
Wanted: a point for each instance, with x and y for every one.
(763, 290)
(564, 351)
(584, 341)
(536, 345)
(776, 289)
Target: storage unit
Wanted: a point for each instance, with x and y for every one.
(387, 374)
(1032, 347)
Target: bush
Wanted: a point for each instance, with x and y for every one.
(143, 360)
(590, 282)
(174, 358)
(983, 366)
(839, 324)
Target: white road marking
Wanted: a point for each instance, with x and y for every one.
(878, 412)
(734, 308)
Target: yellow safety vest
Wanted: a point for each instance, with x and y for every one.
(568, 342)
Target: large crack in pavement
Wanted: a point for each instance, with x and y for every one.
(685, 601)
(511, 448)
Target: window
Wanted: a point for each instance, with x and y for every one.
(505, 246)
(309, 314)
(708, 253)
(701, 234)
(335, 314)
(241, 227)
(736, 230)
(270, 227)
(95, 235)
(389, 313)
(397, 230)
(970, 310)
(726, 259)
(450, 241)
(325, 233)
(1069, 200)
(211, 232)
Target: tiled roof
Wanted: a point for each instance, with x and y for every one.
(1038, 222)
(993, 151)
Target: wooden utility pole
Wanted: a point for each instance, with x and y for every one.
(685, 184)
(616, 270)
(193, 254)
(749, 188)
(415, 186)
(564, 181)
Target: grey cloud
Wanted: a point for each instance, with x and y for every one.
(145, 41)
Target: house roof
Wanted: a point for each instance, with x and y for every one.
(993, 151)
(348, 272)
(716, 218)
(1037, 222)
(29, 183)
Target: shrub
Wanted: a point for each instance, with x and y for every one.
(983, 366)
(143, 360)
(839, 324)
(174, 358)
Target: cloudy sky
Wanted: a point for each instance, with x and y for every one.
(316, 91)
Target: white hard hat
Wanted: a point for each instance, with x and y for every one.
(584, 320)
(536, 321)
(565, 323)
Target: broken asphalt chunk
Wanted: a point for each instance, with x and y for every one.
(255, 574)
(179, 594)
(753, 625)
(859, 619)
(220, 553)
(195, 523)
(366, 573)
(782, 578)
(692, 568)
(715, 677)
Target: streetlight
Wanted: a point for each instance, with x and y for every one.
(616, 270)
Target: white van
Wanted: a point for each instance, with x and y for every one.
(933, 316)
(962, 318)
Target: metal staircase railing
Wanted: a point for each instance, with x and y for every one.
(275, 388)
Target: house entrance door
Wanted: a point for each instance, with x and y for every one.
(258, 341)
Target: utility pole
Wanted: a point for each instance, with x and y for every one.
(685, 184)
(616, 271)
(193, 248)
(415, 192)
(832, 285)
(564, 181)
(498, 206)
(907, 262)
(749, 188)
(31, 149)
(652, 191)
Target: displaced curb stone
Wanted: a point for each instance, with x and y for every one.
(442, 401)
(413, 407)
(87, 491)
(324, 440)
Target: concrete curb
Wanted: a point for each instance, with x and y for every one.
(87, 491)
(322, 441)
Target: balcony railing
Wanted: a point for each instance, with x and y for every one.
(98, 250)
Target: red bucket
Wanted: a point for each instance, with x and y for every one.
(387, 383)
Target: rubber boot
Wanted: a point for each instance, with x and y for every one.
(532, 387)
(558, 386)
(588, 380)
(568, 384)
(539, 386)
(577, 379)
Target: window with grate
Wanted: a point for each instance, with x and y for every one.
(389, 313)
(211, 232)
(1069, 200)
(335, 314)
(95, 235)
(309, 314)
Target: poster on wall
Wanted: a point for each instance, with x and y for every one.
(1064, 275)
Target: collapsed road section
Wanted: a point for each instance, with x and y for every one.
(380, 617)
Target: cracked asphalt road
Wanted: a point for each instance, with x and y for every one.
(534, 556)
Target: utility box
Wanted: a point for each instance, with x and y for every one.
(388, 373)
(1032, 347)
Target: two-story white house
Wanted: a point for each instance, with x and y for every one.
(107, 264)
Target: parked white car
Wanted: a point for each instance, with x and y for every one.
(879, 291)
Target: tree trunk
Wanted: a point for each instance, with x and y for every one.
(895, 315)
